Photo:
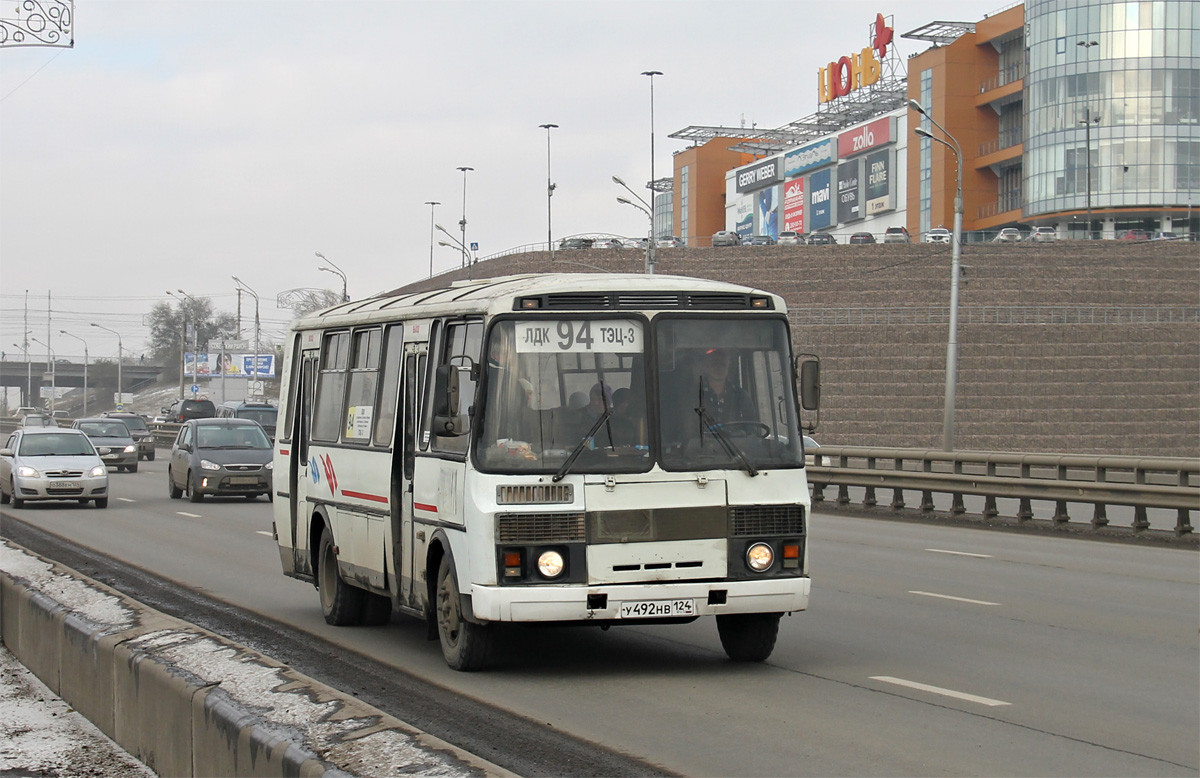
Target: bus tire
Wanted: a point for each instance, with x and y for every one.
(465, 646)
(377, 610)
(341, 603)
(748, 637)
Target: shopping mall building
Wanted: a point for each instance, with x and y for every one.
(1065, 112)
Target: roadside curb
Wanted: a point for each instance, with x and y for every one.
(188, 702)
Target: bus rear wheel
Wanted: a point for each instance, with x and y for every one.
(465, 645)
(748, 637)
(341, 603)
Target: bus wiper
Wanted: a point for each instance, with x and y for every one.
(575, 452)
(731, 448)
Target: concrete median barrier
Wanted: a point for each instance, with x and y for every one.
(187, 702)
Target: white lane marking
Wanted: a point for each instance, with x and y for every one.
(189, 515)
(125, 499)
(268, 534)
(938, 690)
(959, 553)
(956, 599)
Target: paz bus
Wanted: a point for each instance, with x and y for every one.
(600, 449)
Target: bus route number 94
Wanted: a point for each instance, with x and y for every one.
(579, 336)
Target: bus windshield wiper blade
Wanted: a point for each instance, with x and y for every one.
(731, 448)
(575, 452)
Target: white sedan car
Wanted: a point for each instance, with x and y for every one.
(49, 463)
(938, 235)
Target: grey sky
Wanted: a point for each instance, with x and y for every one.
(181, 142)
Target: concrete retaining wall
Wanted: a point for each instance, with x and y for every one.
(1088, 347)
(187, 702)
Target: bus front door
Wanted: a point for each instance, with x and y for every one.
(415, 361)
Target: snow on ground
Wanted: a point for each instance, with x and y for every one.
(40, 735)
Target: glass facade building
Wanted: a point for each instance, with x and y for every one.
(1112, 99)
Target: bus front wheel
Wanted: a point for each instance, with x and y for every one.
(466, 646)
(341, 603)
(748, 637)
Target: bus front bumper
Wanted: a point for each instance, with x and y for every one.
(633, 602)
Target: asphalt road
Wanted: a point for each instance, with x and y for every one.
(928, 651)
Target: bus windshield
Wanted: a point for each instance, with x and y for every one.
(578, 395)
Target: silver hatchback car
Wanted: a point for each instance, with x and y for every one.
(48, 463)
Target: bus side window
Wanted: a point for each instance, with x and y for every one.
(385, 416)
(361, 398)
(331, 386)
(461, 347)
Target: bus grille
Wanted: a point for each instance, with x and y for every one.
(534, 494)
(752, 520)
(540, 528)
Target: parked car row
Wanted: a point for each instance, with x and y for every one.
(894, 234)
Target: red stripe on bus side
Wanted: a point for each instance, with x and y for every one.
(362, 496)
(284, 452)
(420, 506)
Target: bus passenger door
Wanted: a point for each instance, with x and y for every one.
(415, 360)
(298, 465)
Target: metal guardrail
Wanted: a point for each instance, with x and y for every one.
(1102, 481)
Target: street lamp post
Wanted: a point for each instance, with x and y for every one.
(85, 366)
(53, 372)
(463, 224)
(454, 244)
(955, 270)
(1087, 132)
(549, 190)
(647, 209)
(651, 74)
(432, 204)
(1087, 123)
(336, 271)
(243, 285)
(120, 359)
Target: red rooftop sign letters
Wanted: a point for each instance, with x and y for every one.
(855, 71)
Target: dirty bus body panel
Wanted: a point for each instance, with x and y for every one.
(556, 448)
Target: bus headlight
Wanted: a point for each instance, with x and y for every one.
(760, 557)
(550, 564)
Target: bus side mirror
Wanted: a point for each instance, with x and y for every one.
(810, 385)
(447, 422)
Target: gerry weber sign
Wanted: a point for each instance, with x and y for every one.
(760, 175)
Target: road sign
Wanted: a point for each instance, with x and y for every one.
(195, 388)
(474, 246)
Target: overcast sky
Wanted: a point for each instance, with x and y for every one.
(181, 142)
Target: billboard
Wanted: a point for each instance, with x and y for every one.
(744, 217)
(809, 157)
(848, 206)
(204, 365)
(759, 175)
(879, 194)
(793, 205)
(768, 211)
(869, 136)
(819, 210)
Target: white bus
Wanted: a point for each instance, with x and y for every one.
(577, 448)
